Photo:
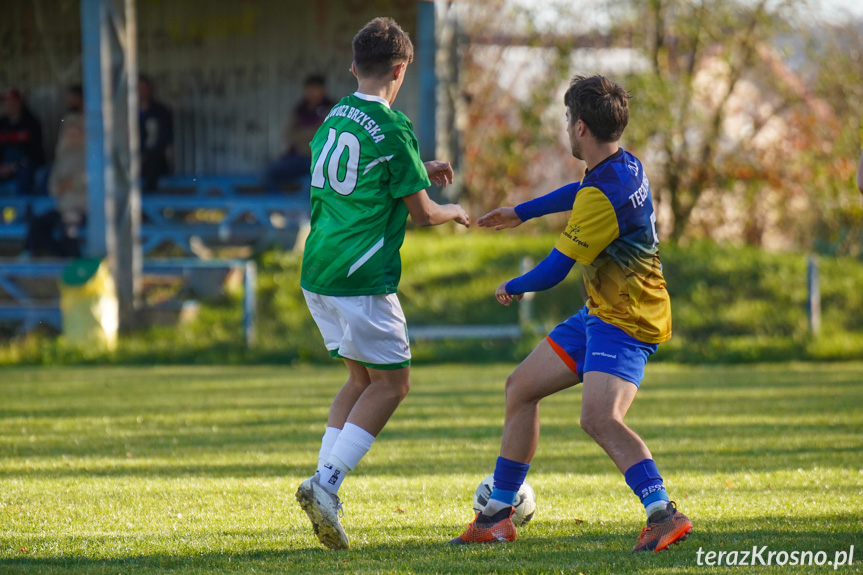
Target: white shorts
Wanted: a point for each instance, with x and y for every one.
(369, 329)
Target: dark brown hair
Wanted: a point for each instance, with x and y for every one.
(380, 45)
(601, 104)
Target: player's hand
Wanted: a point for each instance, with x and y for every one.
(503, 297)
(500, 218)
(439, 172)
(462, 218)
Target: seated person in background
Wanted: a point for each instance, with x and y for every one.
(156, 130)
(75, 99)
(74, 105)
(20, 144)
(56, 232)
(309, 114)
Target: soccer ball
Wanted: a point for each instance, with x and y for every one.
(525, 501)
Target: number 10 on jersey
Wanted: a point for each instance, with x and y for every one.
(348, 183)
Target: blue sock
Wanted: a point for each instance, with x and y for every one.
(644, 480)
(508, 477)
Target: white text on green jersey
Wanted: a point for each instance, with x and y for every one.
(360, 118)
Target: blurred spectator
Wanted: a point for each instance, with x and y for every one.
(74, 104)
(20, 144)
(56, 232)
(309, 114)
(75, 99)
(156, 129)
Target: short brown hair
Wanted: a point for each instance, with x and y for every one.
(601, 104)
(380, 45)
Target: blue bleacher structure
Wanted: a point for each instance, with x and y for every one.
(21, 305)
(29, 309)
(215, 210)
(218, 210)
(221, 210)
(16, 211)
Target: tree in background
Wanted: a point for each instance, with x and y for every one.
(512, 114)
(836, 70)
(735, 112)
(721, 117)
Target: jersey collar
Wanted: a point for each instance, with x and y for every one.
(613, 156)
(370, 98)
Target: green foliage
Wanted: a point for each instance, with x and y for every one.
(192, 470)
(730, 304)
(744, 304)
(454, 277)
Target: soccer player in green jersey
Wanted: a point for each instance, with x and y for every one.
(367, 177)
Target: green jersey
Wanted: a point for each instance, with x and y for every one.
(365, 159)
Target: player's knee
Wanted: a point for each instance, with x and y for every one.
(401, 388)
(396, 382)
(511, 383)
(597, 425)
(518, 390)
(358, 381)
(590, 424)
(511, 388)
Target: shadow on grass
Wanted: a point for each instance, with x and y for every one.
(549, 547)
(546, 554)
(561, 450)
(84, 422)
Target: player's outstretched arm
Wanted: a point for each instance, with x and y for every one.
(426, 212)
(500, 219)
(504, 297)
(547, 274)
(560, 200)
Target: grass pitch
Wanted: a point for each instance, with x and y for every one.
(194, 469)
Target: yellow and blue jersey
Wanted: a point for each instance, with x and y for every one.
(612, 233)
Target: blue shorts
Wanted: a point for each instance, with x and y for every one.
(586, 343)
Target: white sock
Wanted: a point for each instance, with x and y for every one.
(660, 505)
(493, 506)
(327, 443)
(332, 473)
(349, 448)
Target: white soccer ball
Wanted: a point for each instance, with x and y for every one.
(525, 501)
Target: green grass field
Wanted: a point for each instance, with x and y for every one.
(193, 470)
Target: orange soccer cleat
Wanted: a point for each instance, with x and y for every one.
(664, 528)
(497, 528)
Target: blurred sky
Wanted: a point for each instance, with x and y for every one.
(547, 12)
(836, 8)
